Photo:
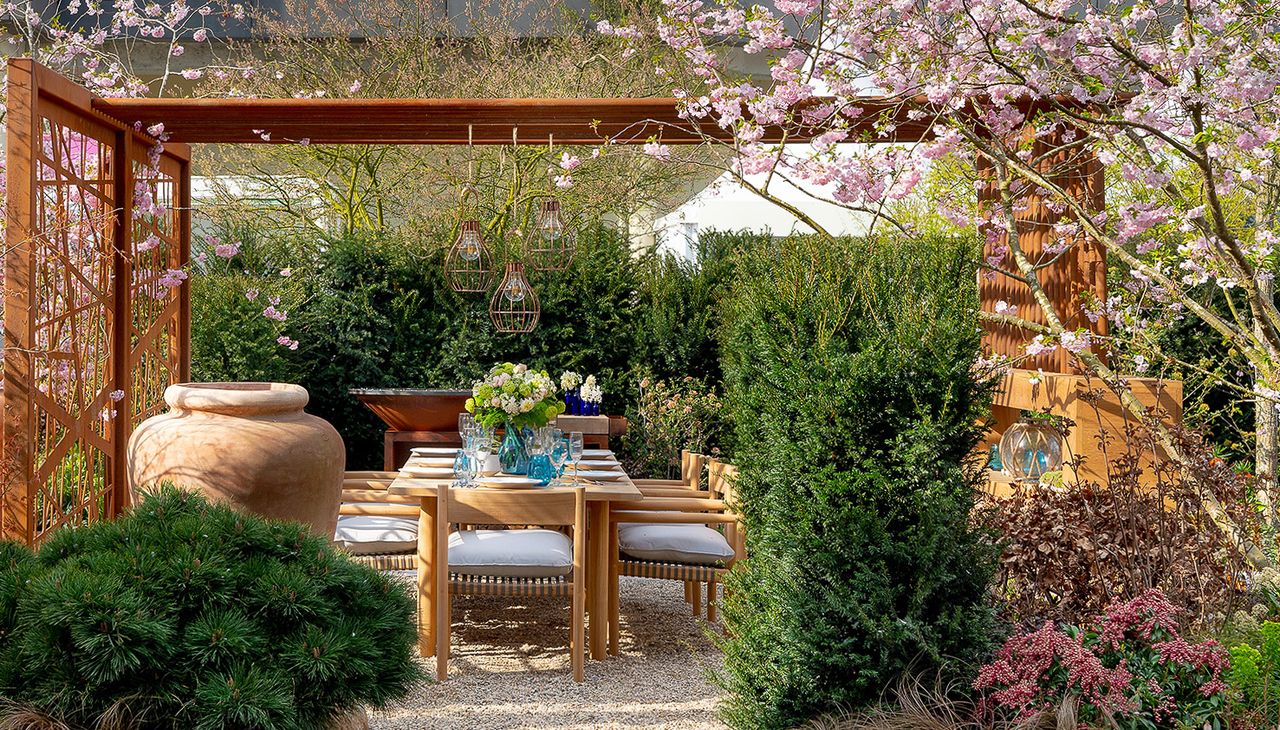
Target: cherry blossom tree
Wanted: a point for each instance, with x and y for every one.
(1176, 98)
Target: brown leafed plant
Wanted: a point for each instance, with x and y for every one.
(1070, 549)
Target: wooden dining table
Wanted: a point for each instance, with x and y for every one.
(599, 495)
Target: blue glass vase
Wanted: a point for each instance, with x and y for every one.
(513, 455)
(540, 469)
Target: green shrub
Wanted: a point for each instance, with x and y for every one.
(850, 384)
(191, 615)
(1255, 677)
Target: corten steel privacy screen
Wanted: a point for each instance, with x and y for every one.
(91, 336)
(96, 324)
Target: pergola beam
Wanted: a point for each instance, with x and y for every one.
(454, 121)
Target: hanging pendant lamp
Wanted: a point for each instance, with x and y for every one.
(554, 243)
(468, 266)
(514, 306)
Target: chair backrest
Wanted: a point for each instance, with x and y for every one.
(365, 493)
(691, 466)
(721, 477)
(480, 506)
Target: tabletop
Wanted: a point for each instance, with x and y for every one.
(596, 491)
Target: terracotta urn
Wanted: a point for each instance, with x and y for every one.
(250, 444)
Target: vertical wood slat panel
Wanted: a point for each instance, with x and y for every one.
(1076, 276)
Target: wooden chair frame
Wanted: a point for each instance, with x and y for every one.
(548, 507)
(713, 509)
(365, 493)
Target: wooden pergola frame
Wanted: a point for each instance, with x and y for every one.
(87, 321)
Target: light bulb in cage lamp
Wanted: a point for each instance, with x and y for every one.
(514, 306)
(554, 243)
(467, 265)
(1031, 448)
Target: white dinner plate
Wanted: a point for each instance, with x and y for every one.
(599, 474)
(428, 472)
(602, 463)
(507, 481)
(429, 461)
(596, 453)
(434, 451)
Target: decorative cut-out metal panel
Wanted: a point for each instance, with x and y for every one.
(155, 285)
(72, 263)
(89, 343)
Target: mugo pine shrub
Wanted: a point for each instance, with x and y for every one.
(849, 374)
(183, 614)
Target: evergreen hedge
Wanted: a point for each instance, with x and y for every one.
(849, 378)
(182, 614)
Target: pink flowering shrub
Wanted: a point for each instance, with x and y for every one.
(670, 417)
(1130, 667)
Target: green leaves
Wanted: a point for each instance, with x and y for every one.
(194, 615)
(848, 376)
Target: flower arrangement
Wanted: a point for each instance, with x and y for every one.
(1131, 668)
(570, 380)
(516, 395)
(591, 390)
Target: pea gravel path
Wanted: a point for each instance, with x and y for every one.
(510, 669)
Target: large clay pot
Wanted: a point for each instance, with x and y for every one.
(249, 444)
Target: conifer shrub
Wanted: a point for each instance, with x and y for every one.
(184, 614)
(850, 381)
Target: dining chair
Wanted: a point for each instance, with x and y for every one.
(694, 539)
(692, 464)
(513, 563)
(374, 527)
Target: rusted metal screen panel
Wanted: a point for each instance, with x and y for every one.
(1076, 278)
(88, 341)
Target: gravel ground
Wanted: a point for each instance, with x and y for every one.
(509, 668)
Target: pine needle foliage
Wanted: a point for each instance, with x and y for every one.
(849, 375)
(185, 614)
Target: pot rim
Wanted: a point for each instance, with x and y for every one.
(237, 398)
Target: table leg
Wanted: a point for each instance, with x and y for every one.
(598, 537)
(426, 587)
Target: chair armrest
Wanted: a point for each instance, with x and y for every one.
(667, 492)
(378, 509)
(673, 483)
(673, 504)
(674, 518)
(375, 496)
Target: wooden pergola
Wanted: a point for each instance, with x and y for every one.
(92, 337)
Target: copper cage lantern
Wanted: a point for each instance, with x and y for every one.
(554, 242)
(469, 265)
(514, 305)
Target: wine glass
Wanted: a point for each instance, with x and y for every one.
(464, 467)
(575, 448)
(484, 447)
(559, 454)
(466, 425)
(471, 447)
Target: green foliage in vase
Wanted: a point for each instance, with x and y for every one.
(850, 379)
(516, 395)
(183, 614)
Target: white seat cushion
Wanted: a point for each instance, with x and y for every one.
(695, 544)
(375, 534)
(511, 553)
